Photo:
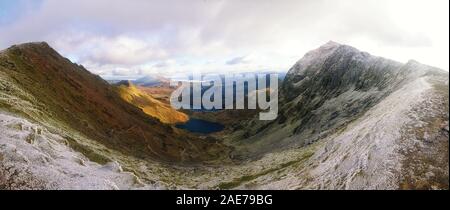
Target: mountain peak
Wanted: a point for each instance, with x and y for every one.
(31, 45)
(40, 48)
(331, 43)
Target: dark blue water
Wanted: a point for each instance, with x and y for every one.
(201, 126)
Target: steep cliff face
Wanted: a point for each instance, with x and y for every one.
(42, 85)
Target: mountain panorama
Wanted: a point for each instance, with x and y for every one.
(346, 120)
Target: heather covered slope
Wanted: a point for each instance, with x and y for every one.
(40, 84)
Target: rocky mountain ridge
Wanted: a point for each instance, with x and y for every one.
(347, 120)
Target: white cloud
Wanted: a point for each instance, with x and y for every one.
(123, 50)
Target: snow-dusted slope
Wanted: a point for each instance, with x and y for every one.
(401, 143)
(33, 158)
(365, 154)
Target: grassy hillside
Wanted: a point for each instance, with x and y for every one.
(149, 105)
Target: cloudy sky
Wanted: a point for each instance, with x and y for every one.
(129, 38)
